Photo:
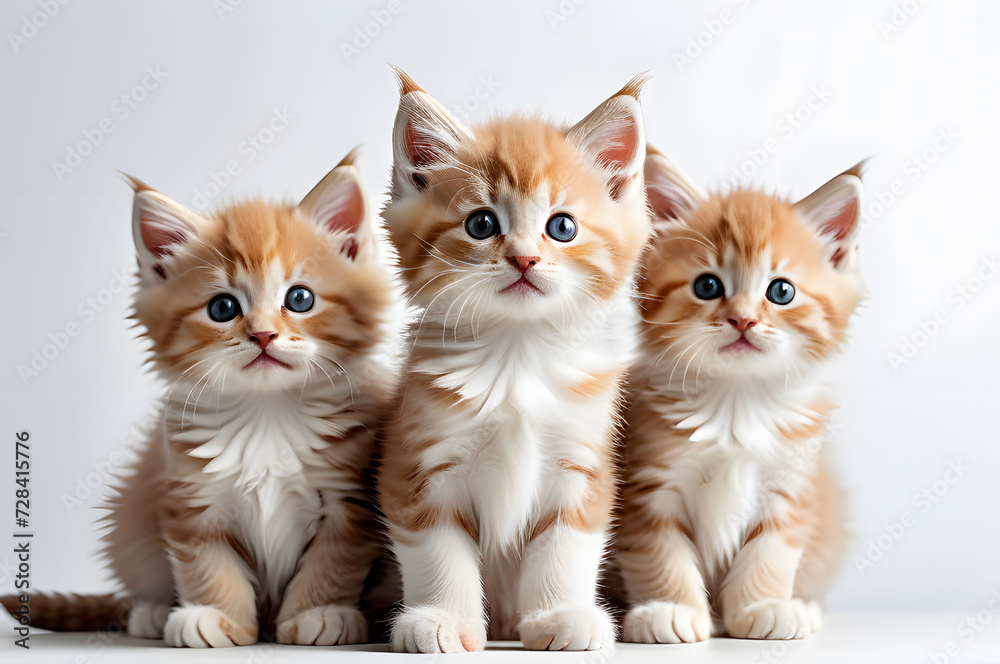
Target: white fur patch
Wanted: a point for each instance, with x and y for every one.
(517, 378)
(265, 473)
(737, 450)
(504, 459)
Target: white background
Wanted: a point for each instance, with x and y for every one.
(889, 95)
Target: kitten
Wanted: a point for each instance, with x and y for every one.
(518, 240)
(248, 509)
(729, 506)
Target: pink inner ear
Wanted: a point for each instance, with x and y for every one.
(839, 226)
(350, 248)
(345, 210)
(621, 149)
(158, 238)
(838, 256)
(420, 149)
(664, 206)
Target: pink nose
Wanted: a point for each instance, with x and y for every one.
(263, 338)
(743, 323)
(523, 262)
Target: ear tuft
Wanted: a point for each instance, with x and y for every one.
(406, 84)
(858, 169)
(425, 137)
(350, 158)
(669, 192)
(833, 211)
(634, 87)
(612, 138)
(136, 184)
(339, 205)
(160, 226)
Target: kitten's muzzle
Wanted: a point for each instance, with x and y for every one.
(262, 339)
(524, 263)
(743, 323)
(523, 285)
(265, 360)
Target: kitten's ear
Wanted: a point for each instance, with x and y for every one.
(160, 228)
(339, 205)
(669, 192)
(612, 138)
(832, 211)
(424, 137)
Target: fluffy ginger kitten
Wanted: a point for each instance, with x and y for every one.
(518, 240)
(729, 508)
(247, 510)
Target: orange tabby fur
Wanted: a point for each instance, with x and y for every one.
(249, 509)
(716, 520)
(474, 468)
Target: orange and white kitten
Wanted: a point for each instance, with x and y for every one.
(248, 508)
(729, 509)
(518, 240)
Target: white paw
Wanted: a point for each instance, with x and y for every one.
(205, 627)
(429, 630)
(146, 619)
(567, 628)
(666, 622)
(774, 619)
(324, 626)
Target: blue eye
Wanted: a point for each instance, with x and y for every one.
(708, 287)
(561, 227)
(299, 299)
(223, 308)
(780, 291)
(482, 224)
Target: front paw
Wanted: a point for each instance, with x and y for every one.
(426, 629)
(567, 628)
(146, 619)
(774, 619)
(666, 622)
(205, 627)
(330, 625)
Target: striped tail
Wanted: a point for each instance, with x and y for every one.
(71, 613)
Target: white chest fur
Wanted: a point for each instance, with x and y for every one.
(525, 418)
(264, 473)
(739, 467)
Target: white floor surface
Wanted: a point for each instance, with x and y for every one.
(847, 637)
